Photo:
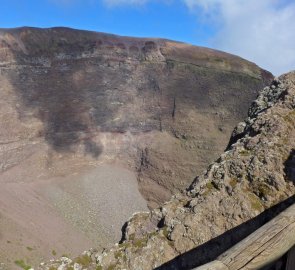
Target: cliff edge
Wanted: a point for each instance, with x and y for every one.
(255, 173)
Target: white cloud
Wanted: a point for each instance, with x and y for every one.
(261, 31)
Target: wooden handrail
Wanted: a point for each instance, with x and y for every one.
(264, 246)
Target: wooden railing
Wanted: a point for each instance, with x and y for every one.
(266, 245)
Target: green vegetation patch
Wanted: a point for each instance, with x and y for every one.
(84, 260)
(264, 190)
(124, 245)
(245, 152)
(233, 182)
(131, 237)
(22, 264)
(165, 231)
(112, 267)
(120, 255)
(255, 202)
(140, 243)
(210, 187)
(290, 117)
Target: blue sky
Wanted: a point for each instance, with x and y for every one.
(261, 31)
(171, 20)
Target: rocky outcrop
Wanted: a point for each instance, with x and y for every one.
(84, 115)
(254, 174)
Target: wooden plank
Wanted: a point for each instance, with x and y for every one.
(291, 259)
(264, 246)
(258, 252)
(272, 250)
(215, 265)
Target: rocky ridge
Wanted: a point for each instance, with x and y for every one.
(255, 173)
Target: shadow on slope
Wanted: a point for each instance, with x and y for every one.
(75, 95)
(69, 101)
(290, 166)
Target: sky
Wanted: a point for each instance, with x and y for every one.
(262, 31)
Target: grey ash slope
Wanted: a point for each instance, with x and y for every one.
(254, 174)
(73, 103)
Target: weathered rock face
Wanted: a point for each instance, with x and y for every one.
(81, 112)
(255, 173)
(78, 86)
